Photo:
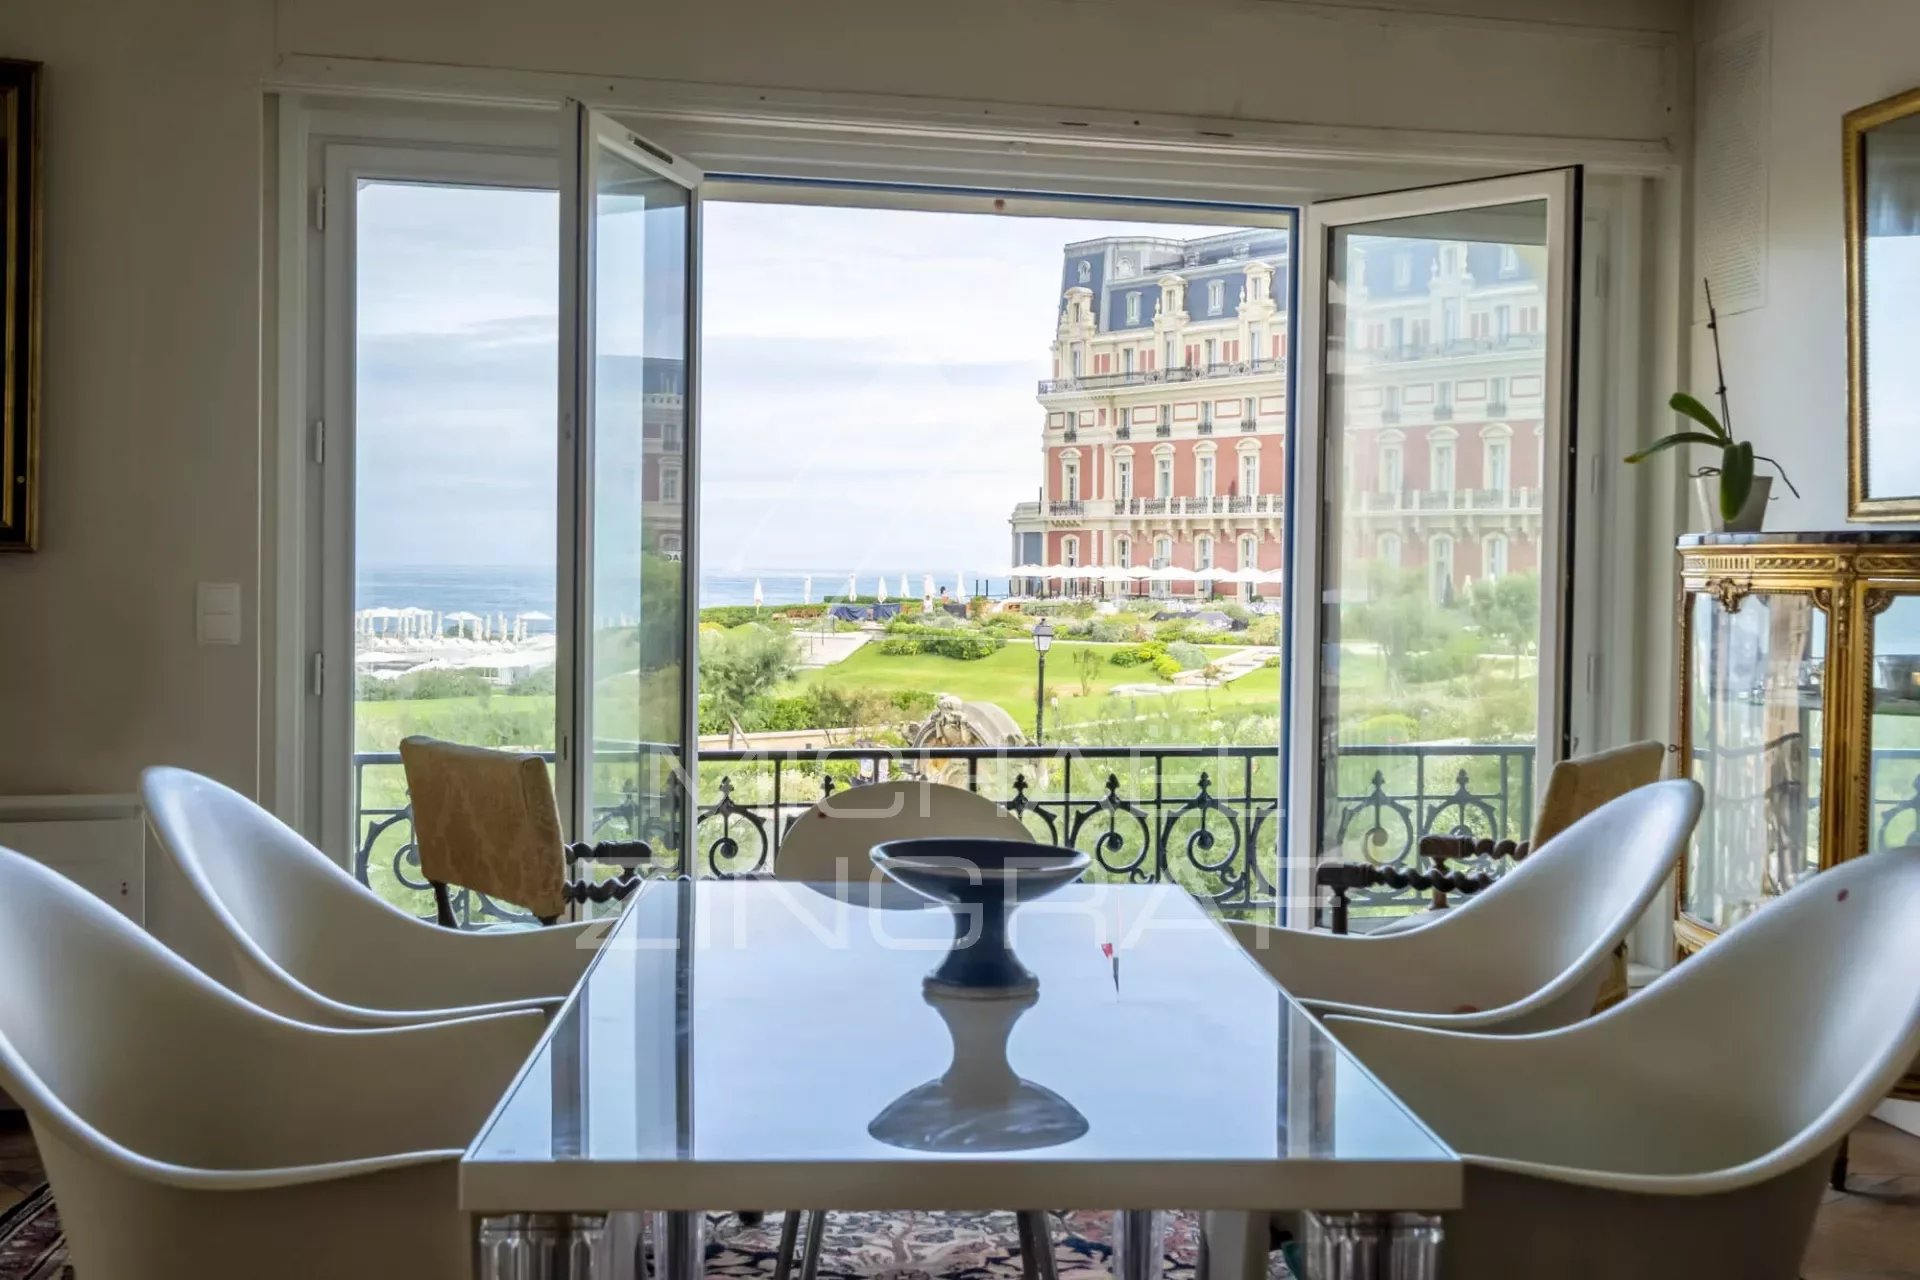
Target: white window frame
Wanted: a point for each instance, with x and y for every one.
(1493, 541)
(1123, 476)
(1205, 472)
(314, 657)
(1163, 475)
(1440, 546)
(1133, 307)
(1216, 297)
(754, 129)
(1249, 472)
(1123, 551)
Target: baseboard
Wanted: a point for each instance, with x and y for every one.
(1901, 1115)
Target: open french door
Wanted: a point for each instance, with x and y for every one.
(629, 449)
(1432, 554)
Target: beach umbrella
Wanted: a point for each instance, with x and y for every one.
(806, 589)
(534, 615)
(905, 590)
(926, 585)
(880, 592)
(851, 592)
(759, 596)
(959, 584)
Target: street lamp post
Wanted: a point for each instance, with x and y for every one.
(1042, 641)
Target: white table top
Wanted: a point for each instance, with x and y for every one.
(739, 1044)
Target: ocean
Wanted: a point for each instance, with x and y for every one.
(517, 589)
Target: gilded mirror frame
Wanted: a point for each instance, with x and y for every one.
(1854, 129)
(20, 306)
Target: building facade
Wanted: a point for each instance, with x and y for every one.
(1167, 418)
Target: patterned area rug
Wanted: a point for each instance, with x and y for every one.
(857, 1246)
(31, 1246)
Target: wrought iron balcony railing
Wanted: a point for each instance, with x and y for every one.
(1204, 817)
(1065, 507)
(1154, 377)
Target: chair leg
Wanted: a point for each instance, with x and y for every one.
(1839, 1174)
(789, 1234)
(1036, 1245)
(816, 1231)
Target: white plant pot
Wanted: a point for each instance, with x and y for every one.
(1751, 517)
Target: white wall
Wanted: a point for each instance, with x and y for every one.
(157, 167)
(1786, 361)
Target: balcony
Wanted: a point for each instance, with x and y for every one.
(1066, 507)
(1026, 511)
(1202, 817)
(1249, 424)
(1389, 416)
(1154, 506)
(1206, 428)
(1441, 413)
(1163, 430)
(1496, 408)
(1460, 347)
(1070, 434)
(1123, 432)
(1157, 377)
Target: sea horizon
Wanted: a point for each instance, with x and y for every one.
(521, 589)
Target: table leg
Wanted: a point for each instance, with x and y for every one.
(679, 1245)
(549, 1246)
(1237, 1245)
(1372, 1246)
(1139, 1244)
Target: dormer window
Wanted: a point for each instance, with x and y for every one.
(1086, 272)
(1123, 267)
(1133, 308)
(1216, 297)
(1402, 270)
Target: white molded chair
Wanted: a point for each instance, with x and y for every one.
(829, 845)
(1687, 1133)
(309, 941)
(1527, 953)
(190, 1135)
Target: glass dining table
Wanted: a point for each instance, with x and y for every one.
(756, 1043)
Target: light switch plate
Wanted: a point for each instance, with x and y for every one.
(216, 613)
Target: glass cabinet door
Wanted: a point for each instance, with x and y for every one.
(1893, 729)
(1756, 712)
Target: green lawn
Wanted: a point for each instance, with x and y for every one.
(1007, 678)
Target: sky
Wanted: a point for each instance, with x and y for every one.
(869, 380)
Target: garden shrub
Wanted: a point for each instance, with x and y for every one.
(1135, 655)
(1190, 657)
(963, 645)
(1116, 631)
(1165, 667)
(1264, 630)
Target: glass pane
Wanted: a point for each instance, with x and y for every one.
(455, 452)
(636, 592)
(1756, 706)
(1435, 424)
(1895, 818)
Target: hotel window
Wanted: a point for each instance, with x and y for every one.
(1123, 552)
(1450, 320)
(1396, 333)
(1070, 479)
(1502, 322)
(1442, 460)
(1086, 272)
(1070, 550)
(670, 437)
(1126, 360)
(1123, 478)
(1208, 352)
(1391, 478)
(1253, 340)
(670, 484)
(1402, 270)
(1390, 404)
(1162, 552)
(1249, 474)
(1203, 553)
(1497, 394)
(1440, 568)
(1389, 549)
(1076, 361)
(1509, 260)
(1169, 350)
(1133, 308)
(1163, 477)
(1497, 468)
(1216, 297)
(1206, 477)
(1496, 563)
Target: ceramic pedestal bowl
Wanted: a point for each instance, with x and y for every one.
(981, 881)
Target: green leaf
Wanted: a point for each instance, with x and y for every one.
(1736, 480)
(1677, 438)
(1686, 404)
